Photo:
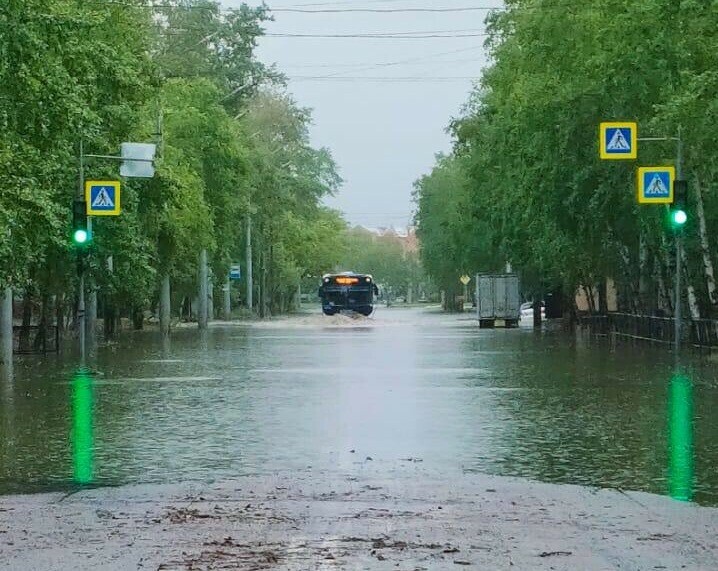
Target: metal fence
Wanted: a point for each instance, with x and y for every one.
(699, 332)
(34, 339)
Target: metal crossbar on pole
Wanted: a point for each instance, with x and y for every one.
(116, 158)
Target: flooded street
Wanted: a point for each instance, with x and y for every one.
(407, 389)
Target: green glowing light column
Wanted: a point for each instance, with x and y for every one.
(680, 428)
(82, 437)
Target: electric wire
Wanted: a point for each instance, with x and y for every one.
(403, 61)
(382, 10)
(352, 66)
(380, 79)
(380, 36)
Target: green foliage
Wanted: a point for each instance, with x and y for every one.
(103, 73)
(537, 194)
(394, 266)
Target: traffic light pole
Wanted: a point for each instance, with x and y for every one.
(677, 317)
(81, 266)
(679, 259)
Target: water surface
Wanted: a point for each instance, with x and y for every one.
(328, 393)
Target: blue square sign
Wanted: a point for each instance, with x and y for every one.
(655, 185)
(102, 197)
(618, 141)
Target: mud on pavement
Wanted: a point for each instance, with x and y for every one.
(317, 521)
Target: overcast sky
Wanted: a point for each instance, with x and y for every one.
(383, 131)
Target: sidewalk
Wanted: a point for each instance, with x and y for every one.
(316, 521)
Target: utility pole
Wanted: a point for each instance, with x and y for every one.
(165, 290)
(248, 264)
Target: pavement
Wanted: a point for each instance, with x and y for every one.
(413, 520)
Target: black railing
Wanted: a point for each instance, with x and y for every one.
(34, 339)
(696, 332)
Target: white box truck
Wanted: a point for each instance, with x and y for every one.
(497, 300)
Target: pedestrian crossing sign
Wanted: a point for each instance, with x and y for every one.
(619, 141)
(102, 197)
(655, 185)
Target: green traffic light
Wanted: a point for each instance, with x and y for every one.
(80, 236)
(679, 217)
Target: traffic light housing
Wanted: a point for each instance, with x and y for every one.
(80, 232)
(678, 212)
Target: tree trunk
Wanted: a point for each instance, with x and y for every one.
(603, 297)
(664, 295)
(6, 326)
(537, 313)
(590, 300)
(227, 291)
(40, 344)
(691, 291)
(210, 296)
(138, 318)
(109, 319)
(203, 294)
(248, 265)
(643, 296)
(705, 249)
(24, 341)
(59, 311)
(632, 288)
(667, 271)
(263, 301)
(91, 320)
(165, 304)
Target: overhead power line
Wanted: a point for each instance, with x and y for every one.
(382, 78)
(296, 9)
(307, 8)
(410, 33)
(351, 67)
(403, 61)
(380, 36)
(381, 10)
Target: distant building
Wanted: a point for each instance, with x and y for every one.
(405, 236)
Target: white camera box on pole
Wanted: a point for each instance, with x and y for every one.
(138, 160)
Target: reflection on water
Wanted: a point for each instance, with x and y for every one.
(286, 395)
(82, 437)
(680, 427)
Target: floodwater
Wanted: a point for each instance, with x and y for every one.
(336, 394)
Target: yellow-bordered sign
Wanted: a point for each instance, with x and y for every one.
(102, 197)
(618, 141)
(655, 185)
